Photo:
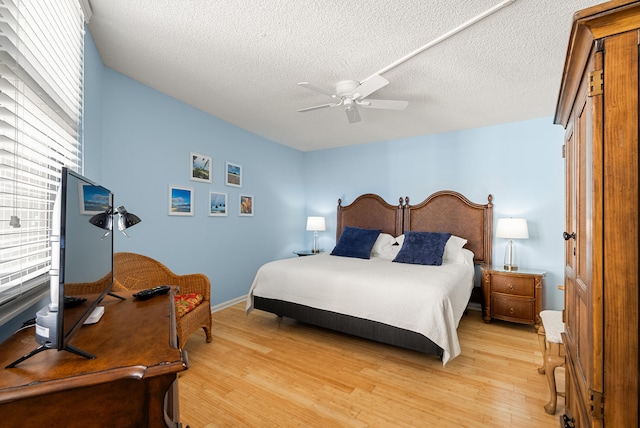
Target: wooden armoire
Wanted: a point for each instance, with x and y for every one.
(598, 106)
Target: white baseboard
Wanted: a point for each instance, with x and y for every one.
(227, 304)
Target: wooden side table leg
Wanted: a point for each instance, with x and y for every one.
(486, 297)
(542, 339)
(552, 361)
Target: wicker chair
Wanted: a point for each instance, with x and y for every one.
(137, 272)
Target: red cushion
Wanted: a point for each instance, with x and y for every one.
(186, 302)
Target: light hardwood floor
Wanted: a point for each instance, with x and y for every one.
(261, 371)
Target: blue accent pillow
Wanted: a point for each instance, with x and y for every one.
(423, 248)
(356, 242)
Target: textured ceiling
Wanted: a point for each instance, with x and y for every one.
(241, 61)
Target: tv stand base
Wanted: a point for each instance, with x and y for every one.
(47, 346)
(116, 296)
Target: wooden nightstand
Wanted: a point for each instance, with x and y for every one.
(514, 296)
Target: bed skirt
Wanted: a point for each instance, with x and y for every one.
(355, 326)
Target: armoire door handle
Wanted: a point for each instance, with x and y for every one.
(567, 236)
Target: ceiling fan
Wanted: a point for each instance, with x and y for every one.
(352, 94)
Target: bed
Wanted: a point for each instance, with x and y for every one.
(376, 298)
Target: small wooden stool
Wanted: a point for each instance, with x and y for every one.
(553, 356)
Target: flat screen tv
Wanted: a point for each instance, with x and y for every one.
(81, 271)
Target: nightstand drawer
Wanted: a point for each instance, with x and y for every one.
(513, 308)
(514, 296)
(513, 285)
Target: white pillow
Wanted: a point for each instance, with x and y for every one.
(395, 248)
(385, 246)
(382, 243)
(453, 250)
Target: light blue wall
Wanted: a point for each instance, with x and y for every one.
(137, 143)
(145, 138)
(92, 115)
(520, 164)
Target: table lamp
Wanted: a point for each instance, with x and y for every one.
(316, 224)
(511, 228)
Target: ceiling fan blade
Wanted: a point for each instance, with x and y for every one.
(303, 110)
(317, 89)
(383, 104)
(353, 115)
(369, 86)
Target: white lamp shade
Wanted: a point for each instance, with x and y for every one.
(512, 228)
(316, 224)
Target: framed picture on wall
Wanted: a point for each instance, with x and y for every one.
(200, 167)
(181, 200)
(93, 199)
(218, 204)
(246, 205)
(233, 174)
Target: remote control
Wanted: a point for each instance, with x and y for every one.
(150, 292)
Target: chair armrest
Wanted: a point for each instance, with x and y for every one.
(194, 283)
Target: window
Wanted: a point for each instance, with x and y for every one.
(41, 48)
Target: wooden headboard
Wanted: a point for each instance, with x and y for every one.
(448, 211)
(444, 211)
(370, 211)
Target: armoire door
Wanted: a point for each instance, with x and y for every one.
(583, 279)
(620, 266)
(599, 108)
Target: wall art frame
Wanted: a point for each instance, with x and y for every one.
(233, 174)
(181, 200)
(218, 204)
(93, 199)
(246, 205)
(200, 167)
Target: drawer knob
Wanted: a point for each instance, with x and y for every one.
(511, 311)
(510, 287)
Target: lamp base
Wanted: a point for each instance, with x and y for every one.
(315, 248)
(510, 257)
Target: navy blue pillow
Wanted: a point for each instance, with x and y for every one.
(423, 248)
(356, 242)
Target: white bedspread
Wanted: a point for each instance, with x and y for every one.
(429, 300)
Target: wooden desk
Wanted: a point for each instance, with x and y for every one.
(130, 383)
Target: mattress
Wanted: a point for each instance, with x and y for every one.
(428, 300)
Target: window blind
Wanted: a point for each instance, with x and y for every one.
(41, 71)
